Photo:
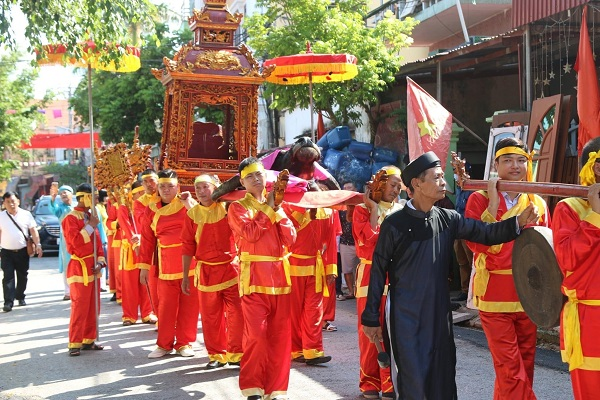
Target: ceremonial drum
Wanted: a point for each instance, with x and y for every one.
(537, 276)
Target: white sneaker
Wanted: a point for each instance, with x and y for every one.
(186, 351)
(158, 353)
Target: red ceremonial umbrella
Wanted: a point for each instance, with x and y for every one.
(311, 68)
(91, 58)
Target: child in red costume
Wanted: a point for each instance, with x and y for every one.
(262, 232)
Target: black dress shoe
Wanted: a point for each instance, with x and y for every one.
(7, 308)
(214, 365)
(255, 397)
(22, 303)
(233, 363)
(455, 306)
(114, 297)
(299, 359)
(318, 360)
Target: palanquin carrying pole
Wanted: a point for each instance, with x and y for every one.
(541, 188)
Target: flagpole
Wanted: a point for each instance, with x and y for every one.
(93, 206)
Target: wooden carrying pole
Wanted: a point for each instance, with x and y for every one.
(541, 188)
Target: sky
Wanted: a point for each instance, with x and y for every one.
(63, 80)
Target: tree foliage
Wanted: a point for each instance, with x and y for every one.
(331, 27)
(122, 101)
(71, 175)
(72, 22)
(18, 110)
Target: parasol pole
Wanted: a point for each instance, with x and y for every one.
(93, 207)
(310, 95)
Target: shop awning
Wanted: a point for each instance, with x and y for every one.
(62, 141)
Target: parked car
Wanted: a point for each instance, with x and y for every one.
(48, 225)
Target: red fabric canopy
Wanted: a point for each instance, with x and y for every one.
(62, 141)
(329, 198)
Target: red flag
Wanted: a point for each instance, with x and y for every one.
(588, 96)
(320, 126)
(429, 124)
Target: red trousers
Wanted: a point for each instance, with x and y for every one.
(586, 384)
(306, 318)
(511, 338)
(113, 264)
(177, 315)
(134, 295)
(82, 324)
(153, 287)
(371, 376)
(329, 303)
(222, 335)
(114, 271)
(266, 363)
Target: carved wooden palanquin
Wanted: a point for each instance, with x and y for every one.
(210, 84)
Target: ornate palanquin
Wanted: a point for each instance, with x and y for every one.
(210, 121)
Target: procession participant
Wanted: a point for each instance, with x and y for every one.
(576, 231)
(178, 314)
(134, 294)
(60, 205)
(329, 302)
(149, 182)
(103, 229)
(207, 238)
(262, 230)
(511, 335)
(313, 267)
(113, 234)
(412, 252)
(366, 221)
(82, 239)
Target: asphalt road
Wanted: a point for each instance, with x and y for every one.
(34, 363)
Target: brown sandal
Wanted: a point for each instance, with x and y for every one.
(74, 352)
(92, 346)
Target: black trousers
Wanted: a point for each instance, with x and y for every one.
(14, 263)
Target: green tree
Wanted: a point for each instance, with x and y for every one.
(122, 101)
(71, 22)
(331, 27)
(71, 175)
(18, 110)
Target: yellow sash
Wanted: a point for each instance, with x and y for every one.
(246, 259)
(84, 273)
(320, 275)
(573, 353)
(213, 288)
